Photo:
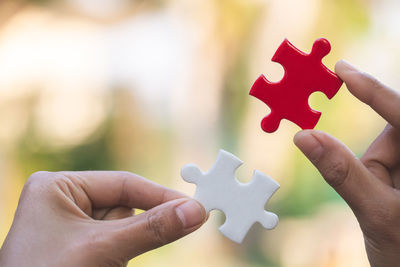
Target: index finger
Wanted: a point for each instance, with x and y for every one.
(384, 100)
(119, 188)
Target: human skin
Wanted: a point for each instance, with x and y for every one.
(87, 219)
(370, 185)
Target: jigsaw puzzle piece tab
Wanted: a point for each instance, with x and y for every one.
(217, 179)
(234, 229)
(263, 185)
(225, 165)
(258, 192)
(192, 174)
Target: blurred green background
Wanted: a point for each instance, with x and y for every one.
(147, 86)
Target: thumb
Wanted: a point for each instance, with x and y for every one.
(339, 167)
(158, 226)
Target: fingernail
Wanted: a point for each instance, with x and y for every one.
(308, 144)
(345, 65)
(190, 213)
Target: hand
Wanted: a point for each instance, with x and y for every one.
(369, 185)
(87, 219)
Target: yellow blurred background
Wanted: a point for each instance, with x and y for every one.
(149, 85)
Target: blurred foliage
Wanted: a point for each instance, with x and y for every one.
(40, 1)
(236, 36)
(307, 193)
(34, 154)
(122, 141)
(345, 18)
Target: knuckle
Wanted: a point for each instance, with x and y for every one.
(124, 197)
(127, 175)
(37, 180)
(376, 87)
(38, 187)
(37, 177)
(43, 182)
(157, 227)
(375, 83)
(337, 172)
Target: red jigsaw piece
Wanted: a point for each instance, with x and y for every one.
(304, 75)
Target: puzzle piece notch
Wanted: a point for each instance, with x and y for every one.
(304, 75)
(243, 204)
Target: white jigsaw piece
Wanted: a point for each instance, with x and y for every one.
(243, 204)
